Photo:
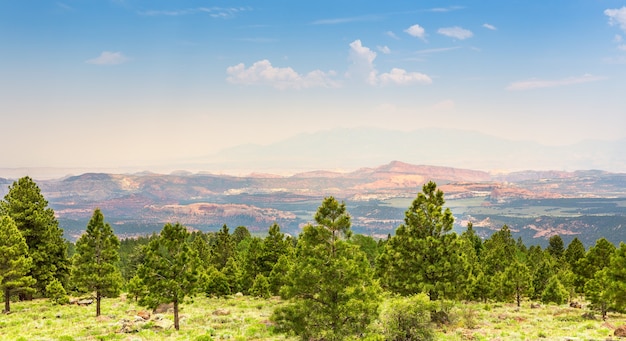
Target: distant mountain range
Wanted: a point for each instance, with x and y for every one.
(350, 149)
(535, 204)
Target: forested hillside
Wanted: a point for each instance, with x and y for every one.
(333, 282)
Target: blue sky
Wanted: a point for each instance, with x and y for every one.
(130, 83)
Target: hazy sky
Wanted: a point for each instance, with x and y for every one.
(139, 82)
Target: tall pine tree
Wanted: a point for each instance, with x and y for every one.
(331, 289)
(96, 260)
(14, 261)
(424, 256)
(170, 269)
(25, 204)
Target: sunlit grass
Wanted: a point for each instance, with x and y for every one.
(247, 318)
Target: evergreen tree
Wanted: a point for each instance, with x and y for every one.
(518, 281)
(136, 288)
(240, 234)
(554, 292)
(260, 287)
(56, 293)
(597, 258)
(598, 291)
(274, 246)
(170, 269)
(25, 204)
(616, 275)
(223, 248)
(233, 274)
(331, 291)
(14, 261)
(573, 254)
(278, 277)
(423, 256)
(214, 283)
(556, 247)
(95, 263)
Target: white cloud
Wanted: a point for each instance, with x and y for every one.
(618, 38)
(362, 67)
(362, 59)
(262, 72)
(445, 9)
(401, 77)
(621, 47)
(617, 17)
(455, 32)
(214, 12)
(336, 21)
(416, 31)
(441, 49)
(540, 83)
(384, 49)
(489, 27)
(392, 35)
(108, 58)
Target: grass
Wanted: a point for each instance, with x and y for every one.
(247, 318)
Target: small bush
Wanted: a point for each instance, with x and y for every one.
(260, 287)
(204, 338)
(554, 292)
(407, 319)
(56, 293)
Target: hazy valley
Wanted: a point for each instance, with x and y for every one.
(534, 204)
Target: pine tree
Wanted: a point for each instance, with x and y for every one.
(331, 291)
(240, 234)
(25, 204)
(14, 261)
(556, 247)
(597, 258)
(170, 269)
(598, 291)
(95, 263)
(223, 248)
(616, 275)
(518, 281)
(573, 254)
(554, 292)
(424, 256)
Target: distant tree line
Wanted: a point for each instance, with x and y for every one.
(332, 280)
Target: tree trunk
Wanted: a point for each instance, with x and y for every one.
(98, 298)
(7, 301)
(176, 324)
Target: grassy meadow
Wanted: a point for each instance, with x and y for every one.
(247, 318)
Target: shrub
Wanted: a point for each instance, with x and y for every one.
(407, 318)
(56, 293)
(554, 292)
(260, 287)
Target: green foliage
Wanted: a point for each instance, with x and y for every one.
(556, 247)
(25, 204)
(278, 277)
(136, 288)
(616, 272)
(331, 289)
(368, 245)
(407, 318)
(95, 263)
(517, 281)
(261, 287)
(222, 249)
(14, 261)
(554, 292)
(56, 293)
(241, 233)
(170, 270)
(233, 275)
(423, 256)
(573, 254)
(214, 283)
(597, 258)
(598, 291)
